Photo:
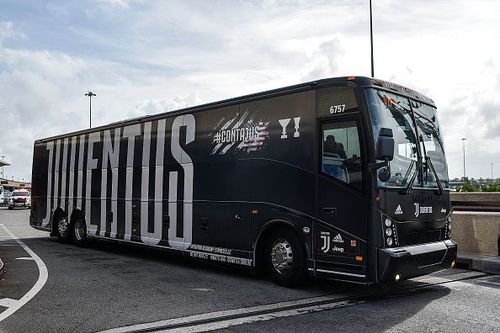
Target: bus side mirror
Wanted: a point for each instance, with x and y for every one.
(385, 145)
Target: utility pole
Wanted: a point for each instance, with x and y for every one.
(371, 39)
(463, 150)
(90, 94)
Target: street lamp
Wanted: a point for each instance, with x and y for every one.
(463, 149)
(371, 38)
(90, 94)
(491, 165)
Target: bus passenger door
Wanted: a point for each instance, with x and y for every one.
(341, 230)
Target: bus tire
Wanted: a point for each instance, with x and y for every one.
(79, 232)
(63, 229)
(285, 258)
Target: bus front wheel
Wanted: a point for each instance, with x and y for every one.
(285, 258)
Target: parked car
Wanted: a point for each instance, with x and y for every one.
(20, 198)
(4, 198)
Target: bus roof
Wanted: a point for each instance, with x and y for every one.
(360, 81)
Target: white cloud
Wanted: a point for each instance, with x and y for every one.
(7, 32)
(117, 3)
(154, 106)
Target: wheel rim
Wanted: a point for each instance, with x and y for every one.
(282, 256)
(62, 227)
(79, 231)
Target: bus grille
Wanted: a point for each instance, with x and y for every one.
(421, 237)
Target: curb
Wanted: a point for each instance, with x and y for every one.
(479, 262)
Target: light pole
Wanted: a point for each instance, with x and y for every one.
(3, 157)
(371, 39)
(90, 94)
(491, 165)
(463, 149)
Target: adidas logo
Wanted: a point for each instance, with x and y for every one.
(338, 239)
(398, 211)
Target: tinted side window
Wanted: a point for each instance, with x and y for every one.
(341, 153)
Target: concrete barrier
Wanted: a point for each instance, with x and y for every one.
(476, 229)
(475, 201)
(476, 232)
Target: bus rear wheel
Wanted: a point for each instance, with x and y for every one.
(285, 258)
(63, 229)
(80, 232)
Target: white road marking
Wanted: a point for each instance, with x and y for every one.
(224, 319)
(490, 282)
(220, 315)
(42, 278)
(262, 317)
(25, 258)
(8, 302)
(202, 289)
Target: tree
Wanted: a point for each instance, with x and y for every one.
(495, 187)
(468, 187)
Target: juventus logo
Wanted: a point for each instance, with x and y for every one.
(421, 209)
(326, 238)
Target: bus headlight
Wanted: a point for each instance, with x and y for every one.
(388, 222)
(388, 232)
(389, 241)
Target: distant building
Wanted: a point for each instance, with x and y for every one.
(11, 185)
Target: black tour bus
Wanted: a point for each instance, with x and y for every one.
(343, 178)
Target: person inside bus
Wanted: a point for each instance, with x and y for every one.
(333, 147)
(334, 167)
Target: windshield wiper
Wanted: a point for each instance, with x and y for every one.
(412, 179)
(438, 181)
(428, 163)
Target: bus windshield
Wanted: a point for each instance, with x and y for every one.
(388, 110)
(428, 128)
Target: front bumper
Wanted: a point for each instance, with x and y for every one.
(415, 260)
(20, 204)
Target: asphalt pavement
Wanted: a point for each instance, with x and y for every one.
(49, 286)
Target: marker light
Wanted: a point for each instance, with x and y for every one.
(389, 241)
(397, 277)
(453, 263)
(388, 222)
(388, 232)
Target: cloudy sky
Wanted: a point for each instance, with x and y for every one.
(145, 57)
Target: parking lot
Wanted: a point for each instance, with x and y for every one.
(49, 286)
